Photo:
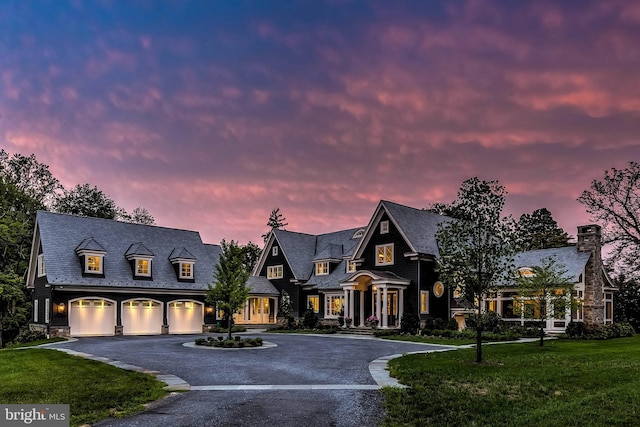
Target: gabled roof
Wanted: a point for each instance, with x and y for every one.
(298, 249)
(567, 258)
(60, 235)
(181, 253)
(331, 252)
(418, 227)
(90, 245)
(138, 249)
(260, 285)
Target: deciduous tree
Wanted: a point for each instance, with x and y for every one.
(476, 252)
(230, 291)
(614, 202)
(29, 176)
(89, 201)
(14, 309)
(538, 230)
(544, 292)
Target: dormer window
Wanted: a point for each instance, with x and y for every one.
(351, 267)
(186, 270)
(384, 227)
(140, 258)
(322, 268)
(41, 267)
(143, 267)
(93, 264)
(525, 272)
(274, 251)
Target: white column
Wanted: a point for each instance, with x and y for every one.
(262, 311)
(351, 306)
(275, 309)
(378, 311)
(247, 307)
(346, 302)
(385, 309)
(400, 304)
(361, 309)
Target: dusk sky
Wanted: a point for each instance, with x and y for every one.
(212, 113)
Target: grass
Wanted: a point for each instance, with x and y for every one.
(93, 390)
(564, 383)
(37, 342)
(303, 331)
(429, 340)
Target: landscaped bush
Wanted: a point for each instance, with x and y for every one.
(221, 330)
(384, 332)
(490, 321)
(236, 342)
(310, 318)
(28, 335)
(410, 323)
(581, 330)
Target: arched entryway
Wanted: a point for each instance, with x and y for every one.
(374, 293)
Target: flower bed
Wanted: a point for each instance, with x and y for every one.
(237, 342)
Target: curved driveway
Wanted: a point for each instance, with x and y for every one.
(338, 365)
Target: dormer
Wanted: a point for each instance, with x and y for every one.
(91, 255)
(183, 263)
(140, 258)
(329, 256)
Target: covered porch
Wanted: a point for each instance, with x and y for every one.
(374, 293)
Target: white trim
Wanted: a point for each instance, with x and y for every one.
(349, 265)
(136, 261)
(35, 310)
(47, 313)
(191, 268)
(384, 247)
(328, 299)
(41, 266)
(424, 308)
(384, 227)
(275, 271)
(274, 251)
(98, 256)
(322, 268)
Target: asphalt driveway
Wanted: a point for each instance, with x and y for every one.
(304, 380)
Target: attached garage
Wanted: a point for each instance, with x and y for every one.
(89, 317)
(141, 317)
(185, 317)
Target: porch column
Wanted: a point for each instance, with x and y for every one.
(385, 309)
(345, 306)
(247, 308)
(378, 311)
(361, 309)
(400, 305)
(261, 310)
(352, 310)
(275, 309)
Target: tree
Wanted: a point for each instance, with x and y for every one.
(538, 230)
(14, 309)
(29, 176)
(138, 216)
(615, 201)
(544, 292)
(230, 291)
(250, 255)
(476, 252)
(626, 307)
(276, 222)
(87, 201)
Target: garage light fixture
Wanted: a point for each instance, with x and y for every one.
(61, 308)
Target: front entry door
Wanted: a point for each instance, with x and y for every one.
(392, 308)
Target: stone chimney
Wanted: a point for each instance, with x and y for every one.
(590, 240)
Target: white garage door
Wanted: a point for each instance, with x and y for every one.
(92, 317)
(185, 317)
(141, 317)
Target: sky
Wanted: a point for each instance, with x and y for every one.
(212, 113)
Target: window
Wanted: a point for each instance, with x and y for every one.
(35, 311)
(424, 302)
(275, 272)
(46, 310)
(526, 272)
(577, 306)
(41, 268)
(334, 304)
(358, 234)
(384, 254)
(384, 227)
(322, 268)
(186, 270)
(143, 267)
(274, 251)
(608, 308)
(438, 289)
(93, 264)
(313, 301)
(351, 267)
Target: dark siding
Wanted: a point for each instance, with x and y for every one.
(40, 292)
(284, 284)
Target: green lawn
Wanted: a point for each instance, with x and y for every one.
(564, 383)
(93, 390)
(429, 340)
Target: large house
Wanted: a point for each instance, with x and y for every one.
(99, 277)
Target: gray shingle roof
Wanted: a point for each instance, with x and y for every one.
(138, 249)
(61, 234)
(567, 258)
(90, 244)
(260, 285)
(181, 253)
(417, 225)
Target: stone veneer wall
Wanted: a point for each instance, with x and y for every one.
(589, 240)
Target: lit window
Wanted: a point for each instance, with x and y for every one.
(143, 267)
(274, 251)
(313, 301)
(351, 267)
(526, 272)
(438, 289)
(275, 272)
(41, 267)
(384, 254)
(322, 268)
(93, 264)
(424, 302)
(186, 270)
(384, 227)
(334, 303)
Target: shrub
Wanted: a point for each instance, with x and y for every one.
(220, 338)
(384, 332)
(201, 341)
(28, 335)
(236, 338)
(240, 344)
(580, 330)
(624, 329)
(410, 323)
(576, 330)
(221, 330)
(259, 341)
